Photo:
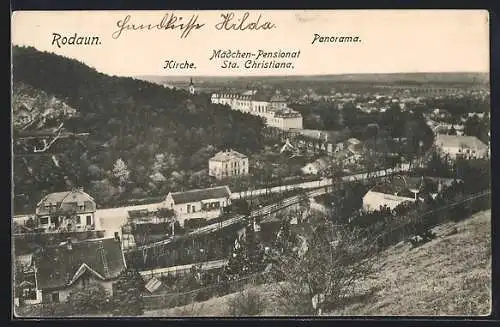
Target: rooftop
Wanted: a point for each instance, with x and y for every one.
(404, 185)
(201, 194)
(60, 266)
(77, 195)
(287, 113)
(227, 155)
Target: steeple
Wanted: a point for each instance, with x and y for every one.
(191, 86)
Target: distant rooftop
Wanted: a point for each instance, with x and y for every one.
(285, 113)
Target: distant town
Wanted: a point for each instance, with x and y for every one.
(215, 209)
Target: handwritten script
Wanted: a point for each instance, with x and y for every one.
(168, 22)
(229, 22)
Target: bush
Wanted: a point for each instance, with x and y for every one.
(91, 300)
(246, 303)
(204, 294)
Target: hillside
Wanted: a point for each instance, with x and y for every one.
(450, 275)
(33, 109)
(164, 137)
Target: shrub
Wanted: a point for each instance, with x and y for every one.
(204, 294)
(246, 303)
(91, 300)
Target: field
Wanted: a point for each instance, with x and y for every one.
(449, 276)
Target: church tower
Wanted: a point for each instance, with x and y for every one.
(191, 86)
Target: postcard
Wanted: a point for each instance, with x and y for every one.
(218, 163)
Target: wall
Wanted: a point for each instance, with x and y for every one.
(81, 216)
(221, 169)
(64, 293)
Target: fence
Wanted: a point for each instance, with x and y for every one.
(170, 300)
(180, 270)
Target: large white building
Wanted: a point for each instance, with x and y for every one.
(200, 203)
(456, 146)
(227, 164)
(273, 109)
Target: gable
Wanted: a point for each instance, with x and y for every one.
(84, 270)
(59, 266)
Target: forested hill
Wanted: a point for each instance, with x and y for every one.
(163, 137)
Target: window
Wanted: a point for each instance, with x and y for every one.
(85, 281)
(55, 297)
(78, 220)
(188, 208)
(44, 220)
(89, 220)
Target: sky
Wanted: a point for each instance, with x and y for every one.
(392, 41)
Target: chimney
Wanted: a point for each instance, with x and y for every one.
(69, 244)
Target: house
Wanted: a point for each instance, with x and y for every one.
(316, 167)
(461, 146)
(60, 269)
(73, 209)
(347, 156)
(278, 102)
(200, 203)
(228, 163)
(284, 119)
(401, 189)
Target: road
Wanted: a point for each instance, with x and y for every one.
(111, 220)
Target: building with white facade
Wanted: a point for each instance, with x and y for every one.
(73, 209)
(461, 146)
(200, 203)
(284, 119)
(227, 164)
(273, 109)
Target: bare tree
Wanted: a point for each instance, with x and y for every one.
(325, 274)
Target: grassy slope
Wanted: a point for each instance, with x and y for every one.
(449, 276)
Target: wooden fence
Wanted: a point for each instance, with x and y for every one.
(170, 300)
